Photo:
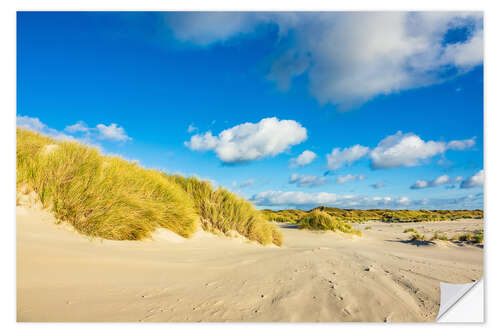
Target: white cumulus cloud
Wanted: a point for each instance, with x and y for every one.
(404, 150)
(112, 132)
(305, 158)
(310, 200)
(397, 150)
(79, 131)
(34, 124)
(441, 180)
(307, 180)
(351, 57)
(78, 127)
(251, 141)
(476, 180)
(338, 158)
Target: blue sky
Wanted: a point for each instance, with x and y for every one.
(394, 99)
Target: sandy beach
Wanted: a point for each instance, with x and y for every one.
(315, 276)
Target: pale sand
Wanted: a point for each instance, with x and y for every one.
(316, 276)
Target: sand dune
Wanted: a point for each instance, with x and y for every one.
(315, 276)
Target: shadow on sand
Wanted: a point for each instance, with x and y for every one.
(416, 243)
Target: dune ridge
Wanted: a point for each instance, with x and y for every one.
(111, 198)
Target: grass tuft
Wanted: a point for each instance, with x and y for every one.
(222, 211)
(417, 237)
(438, 236)
(476, 237)
(318, 220)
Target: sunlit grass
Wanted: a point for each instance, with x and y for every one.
(384, 215)
(222, 211)
(108, 197)
(318, 220)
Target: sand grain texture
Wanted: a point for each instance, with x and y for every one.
(315, 276)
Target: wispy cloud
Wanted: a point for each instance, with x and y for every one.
(78, 127)
(244, 183)
(378, 185)
(441, 180)
(401, 50)
(307, 180)
(250, 141)
(349, 178)
(79, 131)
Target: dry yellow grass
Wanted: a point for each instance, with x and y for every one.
(319, 220)
(108, 197)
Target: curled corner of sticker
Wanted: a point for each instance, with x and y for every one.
(452, 295)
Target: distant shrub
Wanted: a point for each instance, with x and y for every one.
(476, 237)
(317, 220)
(415, 236)
(384, 215)
(410, 230)
(438, 236)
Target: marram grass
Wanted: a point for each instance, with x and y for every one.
(384, 215)
(318, 220)
(223, 211)
(108, 197)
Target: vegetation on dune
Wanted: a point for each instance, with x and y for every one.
(383, 215)
(475, 237)
(286, 215)
(108, 197)
(438, 236)
(417, 237)
(317, 220)
(223, 211)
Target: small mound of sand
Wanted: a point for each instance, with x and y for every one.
(167, 235)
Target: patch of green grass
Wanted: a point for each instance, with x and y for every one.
(410, 230)
(476, 237)
(317, 220)
(108, 197)
(438, 236)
